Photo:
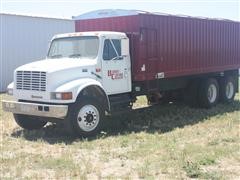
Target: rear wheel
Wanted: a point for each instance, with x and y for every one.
(29, 122)
(227, 89)
(85, 117)
(208, 93)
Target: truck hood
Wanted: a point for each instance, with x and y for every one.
(52, 65)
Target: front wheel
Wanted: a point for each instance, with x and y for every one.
(29, 122)
(85, 118)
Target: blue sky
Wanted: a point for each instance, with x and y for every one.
(228, 9)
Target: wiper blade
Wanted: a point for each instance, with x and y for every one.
(56, 56)
(74, 55)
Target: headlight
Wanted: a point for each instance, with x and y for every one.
(62, 95)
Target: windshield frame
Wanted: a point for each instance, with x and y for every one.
(69, 37)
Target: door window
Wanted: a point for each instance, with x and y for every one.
(117, 45)
(112, 49)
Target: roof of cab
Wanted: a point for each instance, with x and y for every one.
(90, 33)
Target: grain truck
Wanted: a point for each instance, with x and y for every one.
(112, 58)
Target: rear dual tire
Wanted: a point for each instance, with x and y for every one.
(228, 89)
(206, 93)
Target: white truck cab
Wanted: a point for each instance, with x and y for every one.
(73, 83)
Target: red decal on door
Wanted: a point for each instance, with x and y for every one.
(115, 74)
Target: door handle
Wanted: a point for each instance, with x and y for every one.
(125, 72)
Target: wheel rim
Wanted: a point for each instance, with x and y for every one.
(212, 93)
(229, 90)
(88, 118)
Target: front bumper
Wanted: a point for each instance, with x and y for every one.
(34, 109)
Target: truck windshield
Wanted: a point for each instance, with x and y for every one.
(74, 47)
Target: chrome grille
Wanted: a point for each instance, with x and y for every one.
(31, 80)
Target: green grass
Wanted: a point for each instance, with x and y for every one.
(162, 142)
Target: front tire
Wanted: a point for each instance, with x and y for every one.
(29, 122)
(85, 118)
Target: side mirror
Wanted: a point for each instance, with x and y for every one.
(125, 46)
(48, 47)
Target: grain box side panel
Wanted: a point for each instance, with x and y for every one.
(191, 46)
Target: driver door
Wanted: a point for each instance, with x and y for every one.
(116, 68)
